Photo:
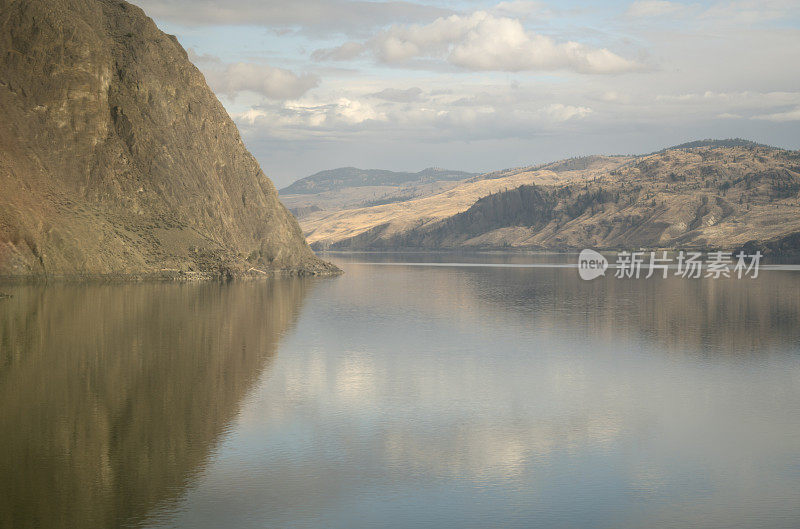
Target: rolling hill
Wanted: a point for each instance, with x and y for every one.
(337, 179)
(710, 194)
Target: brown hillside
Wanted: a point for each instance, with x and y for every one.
(700, 197)
(117, 159)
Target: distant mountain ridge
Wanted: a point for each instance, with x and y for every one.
(708, 142)
(407, 208)
(343, 177)
(709, 194)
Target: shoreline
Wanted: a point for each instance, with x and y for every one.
(177, 276)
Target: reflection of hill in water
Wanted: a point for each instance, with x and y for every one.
(726, 315)
(112, 397)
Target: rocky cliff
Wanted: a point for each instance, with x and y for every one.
(116, 159)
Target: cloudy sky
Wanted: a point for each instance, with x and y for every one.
(480, 86)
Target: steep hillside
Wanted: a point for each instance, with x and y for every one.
(330, 228)
(686, 197)
(116, 159)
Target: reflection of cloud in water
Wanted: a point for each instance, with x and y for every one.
(401, 381)
(521, 418)
(357, 379)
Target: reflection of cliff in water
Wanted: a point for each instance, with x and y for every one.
(113, 397)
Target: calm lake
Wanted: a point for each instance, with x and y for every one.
(415, 390)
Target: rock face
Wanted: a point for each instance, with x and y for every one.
(117, 159)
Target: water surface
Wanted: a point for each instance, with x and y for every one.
(402, 395)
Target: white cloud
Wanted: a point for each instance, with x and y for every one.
(654, 8)
(702, 97)
(250, 116)
(355, 112)
(399, 95)
(781, 117)
(482, 41)
(732, 100)
(349, 16)
(558, 112)
(304, 120)
(735, 12)
(752, 11)
(273, 83)
(345, 52)
(613, 96)
(523, 9)
(403, 114)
